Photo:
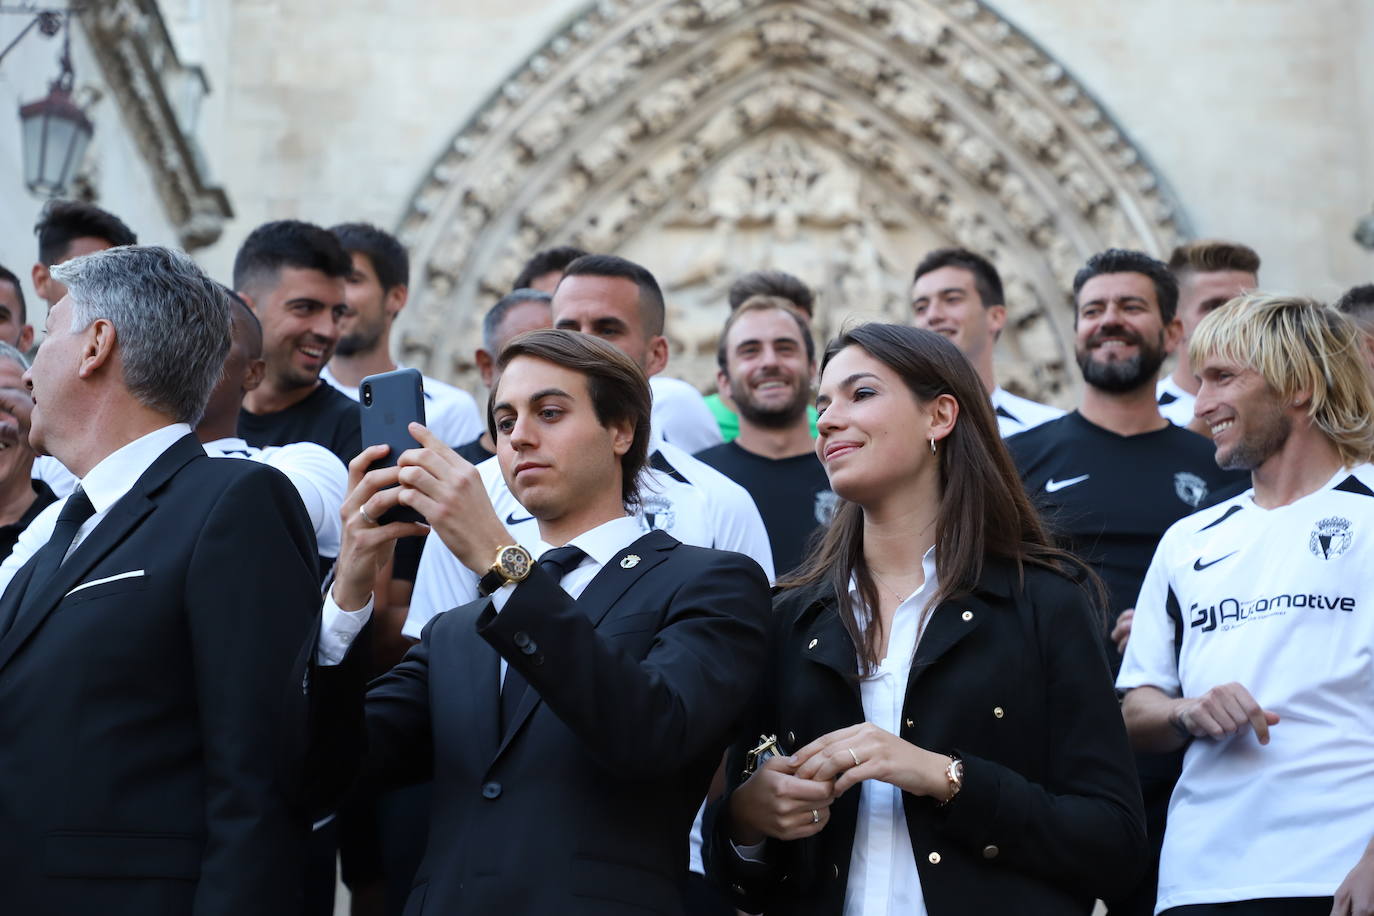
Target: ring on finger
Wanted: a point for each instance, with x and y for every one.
(362, 510)
(815, 816)
(854, 755)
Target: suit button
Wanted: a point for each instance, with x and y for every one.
(791, 739)
(521, 638)
(530, 647)
(998, 711)
(990, 851)
(934, 858)
(491, 790)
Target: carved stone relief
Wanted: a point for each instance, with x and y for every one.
(835, 139)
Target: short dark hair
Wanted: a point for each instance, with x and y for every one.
(64, 221)
(546, 261)
(764, 304)
(7, 276)
(772, 283)
(986, 279)
(388, 256)
(1358, 302)
(491, 322)
(1125, 261)
(609, 265)
(617, 386)
(1210, 255)
(288, 243)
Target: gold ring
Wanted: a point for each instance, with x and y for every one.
(815, 816)
(370, 520)
(854, 755)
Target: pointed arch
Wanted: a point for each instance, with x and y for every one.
(905, 122)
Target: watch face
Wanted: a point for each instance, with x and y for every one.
(515, 563)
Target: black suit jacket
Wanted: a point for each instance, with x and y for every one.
(150, 726)
(585, 805)
(1013, 680)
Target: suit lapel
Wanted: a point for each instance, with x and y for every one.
(124, 516)
(950, 623)
(597, 600)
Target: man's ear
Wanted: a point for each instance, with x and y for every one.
(658, 356)
(622, 436)
(252, 378)
(1173, 334)
(97, 348)
(395, 300)
(25, 338)
(996, 319)
(41, 278)
(486, 366)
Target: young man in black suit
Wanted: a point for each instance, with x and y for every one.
(573, 717)
(152, 623)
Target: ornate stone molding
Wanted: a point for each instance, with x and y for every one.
(139, 61)
(707, 137)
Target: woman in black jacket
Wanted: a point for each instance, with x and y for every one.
(936, 673)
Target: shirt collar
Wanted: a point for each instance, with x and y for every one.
(604, 541)
(929, 587)
(118, 471)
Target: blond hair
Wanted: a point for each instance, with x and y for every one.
(1299, 345)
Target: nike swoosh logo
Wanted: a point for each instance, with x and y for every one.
(1054, 486)
(512, 520)
(1200, 566)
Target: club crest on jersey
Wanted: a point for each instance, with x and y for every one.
(657, 512)
(1330, 538)
(826, 501)
(1190, 488)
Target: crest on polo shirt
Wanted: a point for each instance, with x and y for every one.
(824, 507)
(1190, 488)
(657, 512)
(1330, 538)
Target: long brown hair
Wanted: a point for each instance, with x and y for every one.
(984, 511)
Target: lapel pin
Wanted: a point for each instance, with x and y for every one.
(629, 561)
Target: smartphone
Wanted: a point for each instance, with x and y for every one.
(390, 402)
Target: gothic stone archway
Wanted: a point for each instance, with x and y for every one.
(836, 139)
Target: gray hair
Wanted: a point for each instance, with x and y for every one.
(13, 355)
(491, 323)
(172, 323)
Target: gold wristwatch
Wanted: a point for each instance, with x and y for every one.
(512, 564)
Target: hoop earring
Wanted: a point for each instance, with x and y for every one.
(932, 445)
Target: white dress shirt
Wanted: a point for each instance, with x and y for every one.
(602, 544)
(105, 485)
(317, 474)
(883, 878)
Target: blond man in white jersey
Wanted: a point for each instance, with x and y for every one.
(1253, 641)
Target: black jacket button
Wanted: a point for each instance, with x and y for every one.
(491, 790)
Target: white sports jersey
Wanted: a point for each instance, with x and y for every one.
(450, 412)
(55, 474)
(1174, 403)
(690, 500)
(1282, 602)
(317, 474)
(1017, 414)
(681, 416)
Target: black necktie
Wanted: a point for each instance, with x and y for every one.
(557, 563)
(50, 556)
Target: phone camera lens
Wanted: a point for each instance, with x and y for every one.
(367, 395)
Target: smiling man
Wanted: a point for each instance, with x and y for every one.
(292, 275)
(958, 293)
(21, 496)
(1252, 635)
(1113, 475)
(573, 716)
(766, 360)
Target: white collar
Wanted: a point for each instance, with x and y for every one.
(603, 542)
(118, 471)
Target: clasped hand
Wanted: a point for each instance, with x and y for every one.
(789, 798)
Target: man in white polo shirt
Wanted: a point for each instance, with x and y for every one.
(1253, 639)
